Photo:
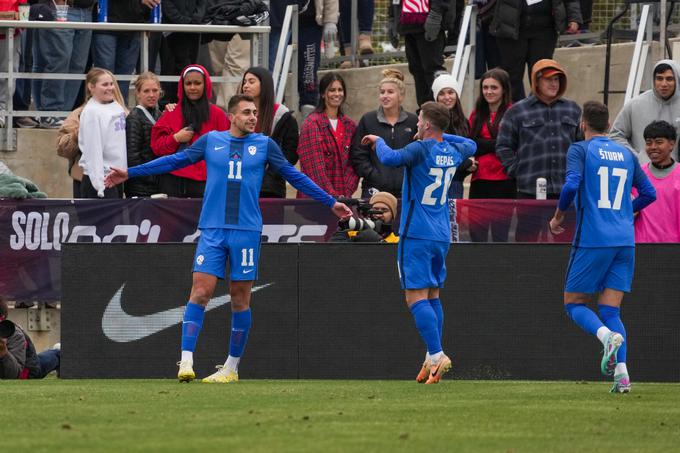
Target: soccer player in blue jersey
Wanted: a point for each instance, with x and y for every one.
(600, 176)
(230, 223)
(424, 229)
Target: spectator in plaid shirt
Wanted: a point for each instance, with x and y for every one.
(325, 141)
(534, 137)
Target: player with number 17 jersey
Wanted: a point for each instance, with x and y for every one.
(604, 208)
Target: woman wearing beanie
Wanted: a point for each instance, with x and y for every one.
(445, 90)
(193, 117)
(490, 179)
(394, 125)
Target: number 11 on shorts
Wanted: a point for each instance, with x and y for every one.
(247, 255)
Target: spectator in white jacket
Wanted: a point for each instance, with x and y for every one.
(101, 137)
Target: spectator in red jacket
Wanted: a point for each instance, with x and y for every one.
(325, 141)
(193, 116)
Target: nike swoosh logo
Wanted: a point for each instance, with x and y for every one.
(247, 271)
(121, 327)
(217, 148)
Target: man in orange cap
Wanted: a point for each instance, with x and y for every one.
(533, 140)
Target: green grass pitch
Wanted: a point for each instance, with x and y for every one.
(328, 416)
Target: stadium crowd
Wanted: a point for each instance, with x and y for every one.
(520, 138)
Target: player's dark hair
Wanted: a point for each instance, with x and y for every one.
(326, 82)
(660, 129)
(265, 107)
(436, 114)
(596, 116)
(663, 67)
(235, 99)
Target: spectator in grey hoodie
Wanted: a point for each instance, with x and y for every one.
(661, 103)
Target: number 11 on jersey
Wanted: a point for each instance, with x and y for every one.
(233, 164)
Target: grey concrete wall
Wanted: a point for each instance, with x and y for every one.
(36, 158)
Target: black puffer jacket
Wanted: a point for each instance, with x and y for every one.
(506, 16)
(286, 134)
(365, 160)
(138, 138)
(184, 11)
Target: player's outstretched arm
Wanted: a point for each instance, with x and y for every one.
(341, 210)
(116, 176)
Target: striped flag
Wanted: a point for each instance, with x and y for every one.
(414, 11)
(415, 6)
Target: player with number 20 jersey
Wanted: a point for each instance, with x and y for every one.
(424, 229)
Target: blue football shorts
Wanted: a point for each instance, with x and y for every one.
(421, 263)
(591, 270)
(241, 247)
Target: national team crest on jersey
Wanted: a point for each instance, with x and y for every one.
(252, 150)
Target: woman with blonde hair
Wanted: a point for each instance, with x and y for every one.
(68, 134)
(138, 133)
(101, 136)
(393, 124)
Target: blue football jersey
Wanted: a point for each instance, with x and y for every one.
(429, 169)
(235, 168)
(604, 206)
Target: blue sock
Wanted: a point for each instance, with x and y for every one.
(240, 326)
(439, 312)
(426, 323)
(191, 327)
(584, 317)
(612, 319)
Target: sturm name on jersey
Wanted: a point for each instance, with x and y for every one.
(616, 156)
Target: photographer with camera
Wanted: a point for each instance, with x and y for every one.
(18, 359)
(374, 221)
